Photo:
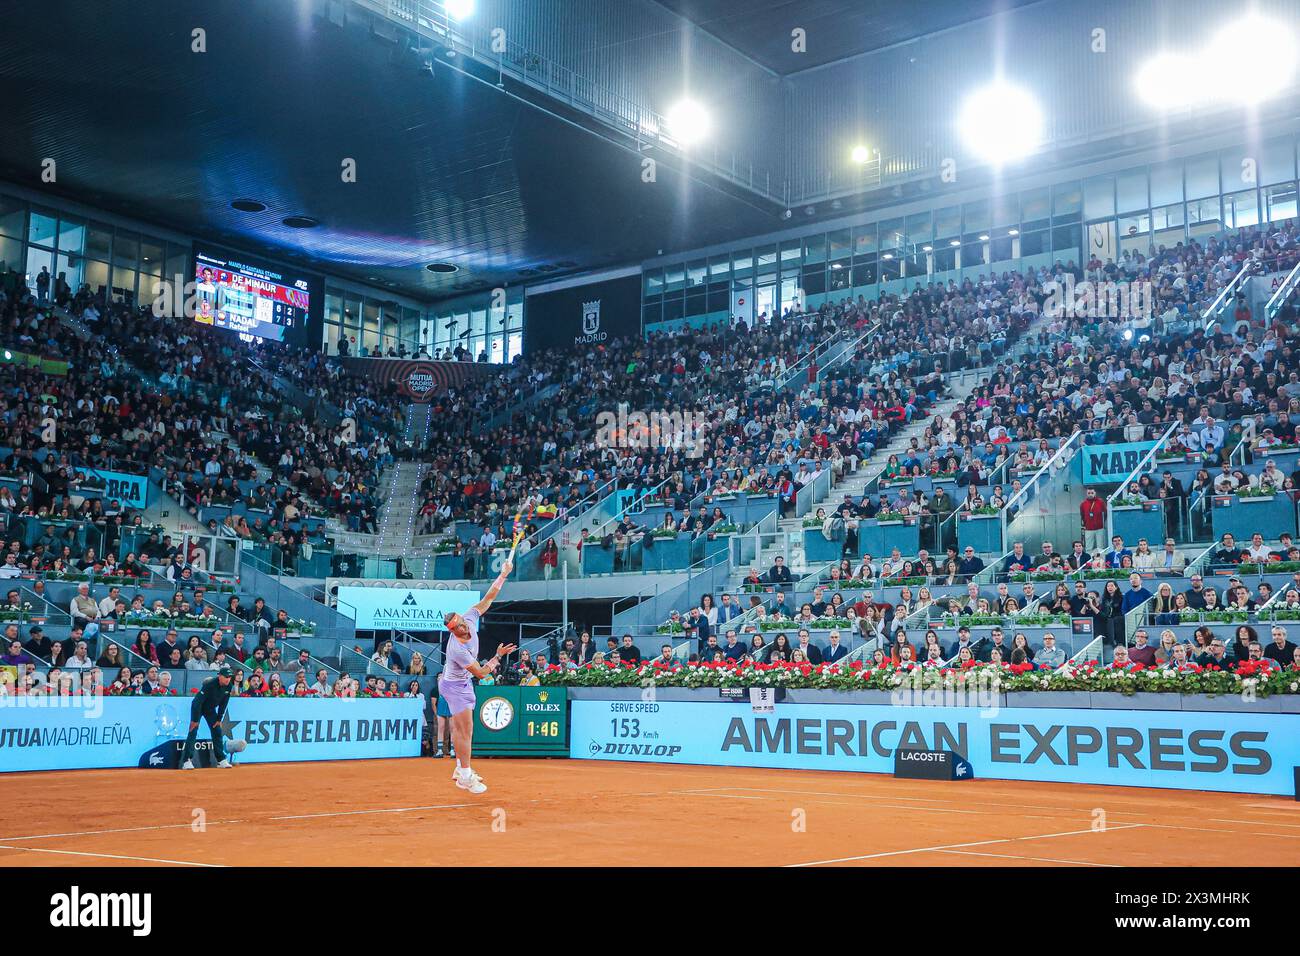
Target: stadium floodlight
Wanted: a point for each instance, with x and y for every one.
(1172, 81)
(459, 9)
(688, 122)
(861, 154)
(1255, 58)
(1001, 123)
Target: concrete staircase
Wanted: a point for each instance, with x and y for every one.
(787, 540)
(397, 517)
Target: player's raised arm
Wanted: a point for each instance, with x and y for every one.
(494, 590)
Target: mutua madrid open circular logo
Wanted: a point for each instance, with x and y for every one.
(419, 380)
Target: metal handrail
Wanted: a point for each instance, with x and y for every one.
(1211, 314)
(1138, 470)
(1278, 299)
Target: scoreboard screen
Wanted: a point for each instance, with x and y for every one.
(252, 299)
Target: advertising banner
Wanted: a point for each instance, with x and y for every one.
(402, 609)
(583, 316)
(66, 733)
(1103, 464)
(421, 380)
(1181, 750)
(131, 491)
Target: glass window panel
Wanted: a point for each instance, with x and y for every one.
(791, 249)
(864, 240)
(13, 216)
(1035, 205)
(975, 216)
(1241, 209)
(99, 240)
(1203, 177)
(1203, 218)
(766, 257)
(1166, 183)
(42, 228)
(947, 223)
(124, 284)
(1098, 198)
(1277, 161)
(1280, 201)
(674, 278)
(11, 253)
(38, 259)
(696, 273)
(864, 274)
(918, 227)
(126, 250)
(1131, 191)
(841, 244)
(891, 234)
(742, 264)
(1239, 167)
(654, 281)
(1034, 243)
(151, 256)
(720, 267)
(1167, 216)
(72, 235)
(815, 249)
(1135, 233)
(96, 275)
(178, 261)
(1002, 249)
(1067, 199)
(1005, 211)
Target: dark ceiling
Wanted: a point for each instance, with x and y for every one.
(834, 29)
(447, 168)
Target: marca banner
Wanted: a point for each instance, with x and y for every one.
(1110, 464)
(66, 733)
(131, 491)
(402, 609)
(1180, 750)
(583, 316)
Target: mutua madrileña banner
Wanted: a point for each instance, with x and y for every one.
(66, 733)
(583, 316)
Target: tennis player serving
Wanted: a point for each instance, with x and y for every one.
(455, 686)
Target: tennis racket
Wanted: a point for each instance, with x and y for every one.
(524, 513)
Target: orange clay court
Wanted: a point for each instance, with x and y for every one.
(567, 812)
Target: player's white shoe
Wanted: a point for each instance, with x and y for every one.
(188, 765)
(225, 763)
(467, 779)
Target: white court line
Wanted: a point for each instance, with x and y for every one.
(162, 826)
(1035, 859)
(959, 846)
(724, 796)
(355, 813)
(109, 856)
(1255, 823)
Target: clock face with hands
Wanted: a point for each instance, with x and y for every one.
(496, 713)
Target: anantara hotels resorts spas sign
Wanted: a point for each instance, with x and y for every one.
(402, 609)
